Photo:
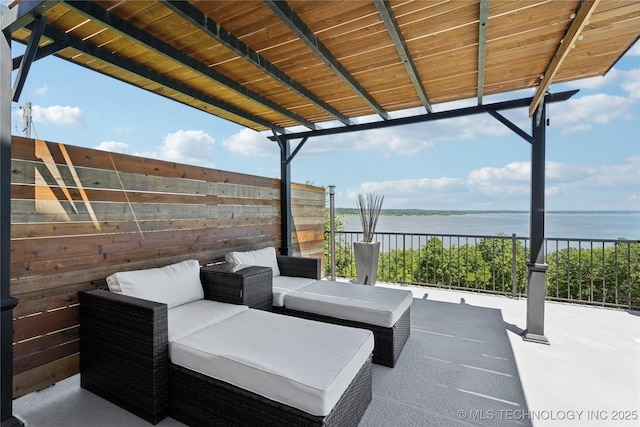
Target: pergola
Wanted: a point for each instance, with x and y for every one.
(273, 65)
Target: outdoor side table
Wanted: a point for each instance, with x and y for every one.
(251, 285)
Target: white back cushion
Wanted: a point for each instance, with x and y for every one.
(262, 257)
(174, 284)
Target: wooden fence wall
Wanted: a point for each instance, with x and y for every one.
(78, 215)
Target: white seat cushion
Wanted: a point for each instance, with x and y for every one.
(282, 285)
(189, 318)
(297, 362)
(173, 284)
(360, 303)
(266, 257)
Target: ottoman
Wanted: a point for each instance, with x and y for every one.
(384, 311)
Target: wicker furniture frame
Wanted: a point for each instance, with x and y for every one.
(197, 399)
(300, 266)
(389, 342)
(251, 286)
(124, 352)
(125, 359)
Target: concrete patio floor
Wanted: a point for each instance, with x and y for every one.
(464, 364)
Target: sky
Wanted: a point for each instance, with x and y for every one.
(472, 163)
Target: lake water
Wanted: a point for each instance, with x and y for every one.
(587, 225)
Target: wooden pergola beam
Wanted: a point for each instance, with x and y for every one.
(483, 23)
(213, 29)
(586, 9)
(304, 33)
(159, 47)
(386, 13)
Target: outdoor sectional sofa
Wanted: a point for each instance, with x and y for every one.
(154, 345)
(298, 291)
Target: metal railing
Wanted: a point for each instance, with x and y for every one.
(590, 271)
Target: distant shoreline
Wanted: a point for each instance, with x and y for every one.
(426, 212)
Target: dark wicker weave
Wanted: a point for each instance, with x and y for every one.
(198, 400)
(389, 342)
(300, 267)
(124, 352)
(124, 358)
(250, 286)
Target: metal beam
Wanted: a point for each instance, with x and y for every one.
(25, 12)
(146, 73)
(7, 302)
(304, 33)
(537, 278)
(123, 27)
(581, 19)
(389, 19)
(29, 55)
(483, 24)
(190, 13)
(461, 112)
(286, 220)
(298, 148)
(508, 123)
(42, 52)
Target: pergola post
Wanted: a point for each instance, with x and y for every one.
(537, 278)
(285, 196)
(8, 303)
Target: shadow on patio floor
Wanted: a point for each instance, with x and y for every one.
(457, 368)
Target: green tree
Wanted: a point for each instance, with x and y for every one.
(610, 275)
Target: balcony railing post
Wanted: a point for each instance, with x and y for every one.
(537, 280)
(332, 227)
(594, 274)
(514, 265)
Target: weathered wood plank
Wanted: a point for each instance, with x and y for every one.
(203, 252)
(79, 215)
(48, 299)
(62, 247)
(50, 354)
(30, 211)
(76, 228)
(45, 323)
(45, 375)
(26, 348)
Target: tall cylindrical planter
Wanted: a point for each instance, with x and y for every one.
(366, 262)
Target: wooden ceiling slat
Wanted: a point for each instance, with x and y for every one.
(536, 20)
(441, 36)
(580, 20)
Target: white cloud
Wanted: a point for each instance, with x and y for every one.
(509, 187)
(578, 114)
(635, 50)
(631, 83)
(251, 143)
(627, 80)
(407, 187)
(192, 147)
(57, 114)
(114, 147)
(509, 181)
(516, 171)
(42, 90)
(620, 176)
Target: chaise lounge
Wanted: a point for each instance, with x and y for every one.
(298, 291)
(155, 345)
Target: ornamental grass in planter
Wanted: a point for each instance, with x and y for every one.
(367, 251)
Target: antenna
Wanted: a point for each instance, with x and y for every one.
(26, 115)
